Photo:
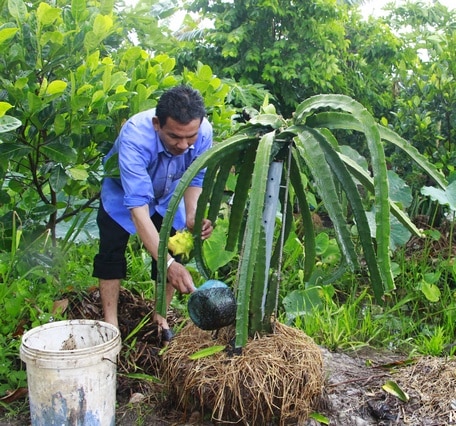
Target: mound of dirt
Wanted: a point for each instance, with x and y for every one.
(276, 376)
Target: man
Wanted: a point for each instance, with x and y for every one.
(154, 149)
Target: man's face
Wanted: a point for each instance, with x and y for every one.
(175, 136)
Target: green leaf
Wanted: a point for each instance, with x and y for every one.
(78, 172)
(106, 7)
(300, 302)
(91, 41)
(214, 254)
(59, 152)
(393, 388)
(53, 37)
(4, 106)
(7, 33)
(46, 14)
(17, 9)
(102, 26)
(203, 353)
(35, 103)
(78, 9)
(319, 418)
(14, 150)
(56, 87)
(8, 123)
(399, 191)
(444, 197)
(431, 291)
(58, 178)
(400, 235)
(205, 72)
(273, 120)
(111, 167)
(59, 124)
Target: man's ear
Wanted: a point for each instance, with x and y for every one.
(156, 123)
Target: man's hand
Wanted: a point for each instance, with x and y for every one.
(206, 230)
(180, 278)
(191, 198)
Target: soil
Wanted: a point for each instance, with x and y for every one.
(362, 387)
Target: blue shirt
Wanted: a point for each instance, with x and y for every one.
(149, 174)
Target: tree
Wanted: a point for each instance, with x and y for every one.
(71, 78)
(293, 48)
(296, 49)
(425, 101)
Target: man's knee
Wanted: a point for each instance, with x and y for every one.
(109, 267)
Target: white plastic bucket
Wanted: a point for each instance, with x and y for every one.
(71, 372)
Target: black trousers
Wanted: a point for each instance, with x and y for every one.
(110, 262)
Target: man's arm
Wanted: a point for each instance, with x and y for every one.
(177, 275)
(191, 196)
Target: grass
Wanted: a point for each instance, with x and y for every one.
(419, 317)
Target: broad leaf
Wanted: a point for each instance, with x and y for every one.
(79, 172)
(394, 389)
(442, 196)
(47, 14)
(7, 33)
(56, 87)
(8, 123)
(14, 150)
(431, 291)
(59, 152)
(17, 9)
(298, 303)
(214, 256)
(58, 178)
(78, 9)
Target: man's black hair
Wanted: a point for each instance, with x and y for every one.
(181, 103)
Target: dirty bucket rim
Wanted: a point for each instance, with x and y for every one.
(27, 348)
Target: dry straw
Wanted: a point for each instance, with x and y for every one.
(277, 379)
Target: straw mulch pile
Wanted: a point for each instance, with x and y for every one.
(431, 386)
(277, 378)
(356, 396)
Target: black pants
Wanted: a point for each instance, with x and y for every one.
(110, 262)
